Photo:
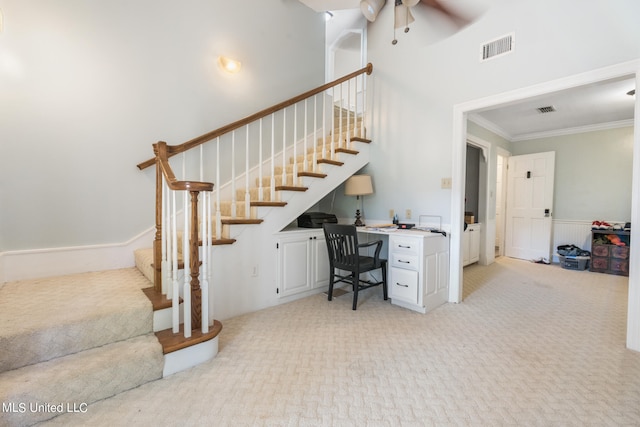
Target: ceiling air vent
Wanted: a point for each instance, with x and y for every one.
(547, 109)
(497, 47)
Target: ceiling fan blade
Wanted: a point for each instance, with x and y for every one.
(456, 18)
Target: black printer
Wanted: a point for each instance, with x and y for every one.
(316, 219)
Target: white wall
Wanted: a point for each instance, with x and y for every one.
(87, 87)
(593, 173)
(418, 81)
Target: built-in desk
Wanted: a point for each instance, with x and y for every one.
(418, 273)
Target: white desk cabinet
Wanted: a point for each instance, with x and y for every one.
(303, 263)
(471, 244)
(418, 269)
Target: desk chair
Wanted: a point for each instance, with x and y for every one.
(342, 245)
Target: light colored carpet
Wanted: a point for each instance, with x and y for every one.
(70, 341)
(530, 345)
(47, 318)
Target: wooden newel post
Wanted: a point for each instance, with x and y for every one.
(194, 265)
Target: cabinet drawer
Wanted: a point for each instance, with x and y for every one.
(407, 246)
(599, 264)
(600, 250)
(619, 266)
(404, 285)
(401, 260)
(620, 252)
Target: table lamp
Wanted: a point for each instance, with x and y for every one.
(358, 185)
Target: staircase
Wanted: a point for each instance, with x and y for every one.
(68, 341)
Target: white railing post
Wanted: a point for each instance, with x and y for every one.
(341, 107)
(217, 190)
(206, 259)
(186, 289)
(247, 194)
(175, 303)
(306, 136)
(294, 176)
(284, 147)
(272, 184)
(260, 160)
(315, 133)
(233, 174)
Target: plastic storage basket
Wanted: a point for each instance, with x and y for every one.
(574, 262)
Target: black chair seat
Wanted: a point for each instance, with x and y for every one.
(343, 249)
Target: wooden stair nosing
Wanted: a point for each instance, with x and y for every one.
(158, 300)
(291, 188)
(236, 221)
(313, 174)
(173, 342)
(330, 162)
(346, 151)
(274, 204)
(359, 139)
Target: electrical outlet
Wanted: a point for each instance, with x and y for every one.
(446, 183)
(392, 213)
(408, 214)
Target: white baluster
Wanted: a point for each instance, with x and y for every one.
(206, 254)
(186, 289)
(233, 174)
(260, 190)
(217, 190)
(306, 136)
(175, 314)
(273, 157)
(284, 146)
(324, 124)
(247, 194)
(348, 136)
(315, 133)
(295, 145)
(166, 239)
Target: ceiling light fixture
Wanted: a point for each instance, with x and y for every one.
(371, 8)
(229, 65)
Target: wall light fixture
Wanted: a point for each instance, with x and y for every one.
(229, 65)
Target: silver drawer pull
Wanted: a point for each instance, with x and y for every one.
(404, 247)
(400, 284)
(404, 262)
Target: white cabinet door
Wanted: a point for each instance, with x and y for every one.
(303, 262)
(294, 259)
(319, 262)
(474, 245)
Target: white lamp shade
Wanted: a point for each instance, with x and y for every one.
(358, 185)
(371, 8)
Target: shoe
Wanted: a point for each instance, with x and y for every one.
(617, 227)
(604, 225)
(627, 226)
(595, 225)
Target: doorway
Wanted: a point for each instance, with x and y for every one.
(459, 161)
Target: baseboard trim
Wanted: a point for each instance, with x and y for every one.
(38, 263)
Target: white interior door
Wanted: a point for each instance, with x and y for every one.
(529, 206)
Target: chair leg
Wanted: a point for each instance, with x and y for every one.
(356, 286)
(330, 293)
(384, 281)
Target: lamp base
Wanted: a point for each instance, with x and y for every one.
(358, 222)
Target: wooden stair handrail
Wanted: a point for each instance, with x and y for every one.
(162, 154)
(176, 149)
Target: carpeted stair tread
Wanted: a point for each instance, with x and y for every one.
(47, 318)
(85, 377)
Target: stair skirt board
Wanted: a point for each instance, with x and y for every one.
(189, 357)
